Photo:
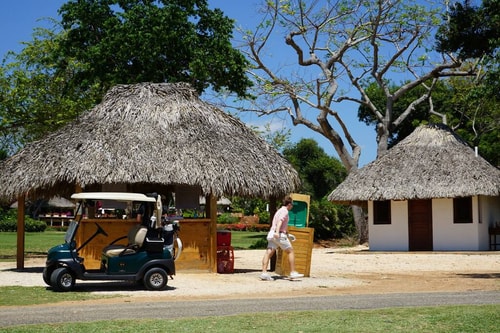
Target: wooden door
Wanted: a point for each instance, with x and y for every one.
(420, 225)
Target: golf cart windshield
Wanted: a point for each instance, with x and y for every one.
(70, 233)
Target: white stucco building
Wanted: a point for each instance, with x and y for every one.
(430, 192)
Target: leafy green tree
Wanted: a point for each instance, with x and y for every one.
(101, 43)
(472, 31)
(248, 206)
(475, 114)
(458, 102)
(34, 94)
(129, 41)
(320, 173)
(330, 220)
(439, 103)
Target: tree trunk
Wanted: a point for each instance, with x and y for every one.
(361, 222)
(382, 138)
(20, 232)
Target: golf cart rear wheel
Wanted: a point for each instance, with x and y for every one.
(155, 279)
(62, 279)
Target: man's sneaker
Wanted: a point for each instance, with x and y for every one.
(295, 275)
(266, 277)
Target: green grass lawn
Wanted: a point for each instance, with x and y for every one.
(449, 319)
(36, 243)
(245, 239)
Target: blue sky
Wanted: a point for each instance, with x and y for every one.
(18, 18)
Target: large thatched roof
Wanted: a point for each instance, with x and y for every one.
(151, 134)
(432, 162)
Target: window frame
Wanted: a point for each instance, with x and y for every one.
(462, 210)
(382, 212)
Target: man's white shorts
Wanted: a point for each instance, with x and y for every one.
(283, 242)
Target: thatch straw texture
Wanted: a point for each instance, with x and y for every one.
(151, 134)
(432, 162)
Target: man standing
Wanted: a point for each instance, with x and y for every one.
(278, 236)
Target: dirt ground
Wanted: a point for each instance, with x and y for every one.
(334, 271)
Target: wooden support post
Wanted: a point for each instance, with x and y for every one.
(213, 232)
(20, 232)
(272, 210)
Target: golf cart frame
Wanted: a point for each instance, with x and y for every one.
(148, 257)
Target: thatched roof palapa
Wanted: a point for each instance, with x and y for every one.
(432, 162)
(153, 134)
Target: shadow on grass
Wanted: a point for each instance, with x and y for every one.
(111, 286)
(37, 270)
(245, 270)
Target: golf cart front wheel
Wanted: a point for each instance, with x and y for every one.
(155, 279)
(62, 279)
(46, 276)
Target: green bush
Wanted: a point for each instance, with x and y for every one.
(227, 218)
(8, 225)
(257, 227)
(259, 244)
(35, 225)
(264, 217)
(330, 220)
(8, 222)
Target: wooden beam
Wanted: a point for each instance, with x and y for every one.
(20, 232)
(272, 210)
(213, 232)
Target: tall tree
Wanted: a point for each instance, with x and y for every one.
(339, 46)
(129, 41)
(462, 105)
(474, 114)
(320, 173)
(435, 109)
(472, 31)
(34, 94)
(101, 43)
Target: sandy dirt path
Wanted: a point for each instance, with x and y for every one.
(333, 271)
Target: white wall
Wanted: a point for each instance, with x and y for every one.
(447, 236)
(389, 237)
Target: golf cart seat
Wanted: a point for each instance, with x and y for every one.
(136, 237)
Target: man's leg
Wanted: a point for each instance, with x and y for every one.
(265, 260)
(291, 258)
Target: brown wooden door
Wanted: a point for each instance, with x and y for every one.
(420, 225)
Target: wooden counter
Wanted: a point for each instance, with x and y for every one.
(197, 239)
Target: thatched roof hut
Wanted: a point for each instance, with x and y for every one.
(150, 134)
(432, 162)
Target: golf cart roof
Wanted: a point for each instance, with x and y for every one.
(117, 196)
